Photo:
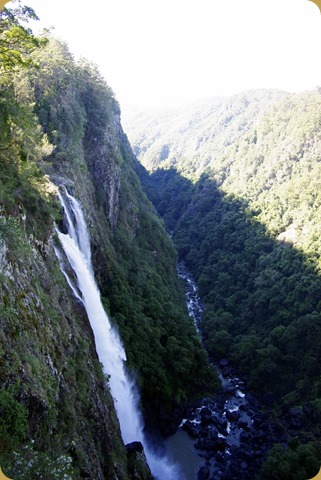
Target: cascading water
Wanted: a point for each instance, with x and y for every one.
(76, 246)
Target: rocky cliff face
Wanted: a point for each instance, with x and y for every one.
(103, 159)
(57, 415)
(58, 418)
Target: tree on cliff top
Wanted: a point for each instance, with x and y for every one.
(16, 40)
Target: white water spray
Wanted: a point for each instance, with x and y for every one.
(111, 353)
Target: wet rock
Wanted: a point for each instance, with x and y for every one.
(220, 424)
(206, 444)
(137, 464)
(134, 447)
(213, 434)
(203, 432)
(232, 416)
(229, 388)
(190, 428)
(243, 424)
(220, 458)
(206, 416)
(203, 473)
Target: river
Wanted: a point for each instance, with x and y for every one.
(209, 441)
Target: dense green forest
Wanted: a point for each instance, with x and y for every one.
(237, 181)
(60, 126)
(136, 262)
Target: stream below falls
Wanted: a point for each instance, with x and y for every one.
(225, 437)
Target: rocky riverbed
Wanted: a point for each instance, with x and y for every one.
(232, 433)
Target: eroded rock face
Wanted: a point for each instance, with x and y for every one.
(106, 176)
(103, 158)
(51, 378)
(137, 463)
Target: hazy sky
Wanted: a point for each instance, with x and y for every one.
(167, 52)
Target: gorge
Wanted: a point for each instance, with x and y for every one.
(57, 413)
(236, 182)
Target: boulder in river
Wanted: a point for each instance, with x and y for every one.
(203, 473)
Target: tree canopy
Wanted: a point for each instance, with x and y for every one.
(237, 182)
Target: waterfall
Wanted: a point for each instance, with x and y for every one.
(111, 353)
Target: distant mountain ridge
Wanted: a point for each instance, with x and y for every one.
(173, 137)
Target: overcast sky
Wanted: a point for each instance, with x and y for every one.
(169, 52)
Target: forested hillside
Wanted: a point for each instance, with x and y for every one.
(192, 137)
(238, 184)
(60, 128)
